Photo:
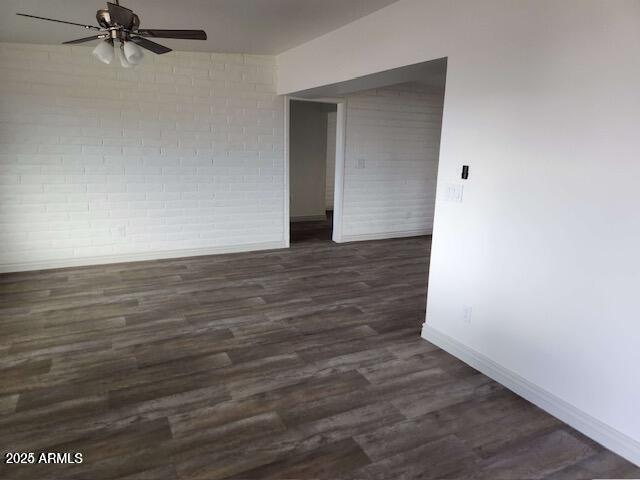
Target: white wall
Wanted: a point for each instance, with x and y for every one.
(331, 160)
(180, 156)
(391, 162)
(307, 160)
(543, 102)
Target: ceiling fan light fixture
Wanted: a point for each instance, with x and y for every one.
(123, 58)
(104, 52)
(133, 53)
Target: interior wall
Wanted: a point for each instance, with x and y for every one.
(307, 160)
(536, 269)
(179, 156)
(330, 179)
(391, 162)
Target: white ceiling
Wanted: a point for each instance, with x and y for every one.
(233, 26)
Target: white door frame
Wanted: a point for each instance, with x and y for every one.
(341, 142)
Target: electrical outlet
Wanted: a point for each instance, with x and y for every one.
(466, 315)
(361, 163)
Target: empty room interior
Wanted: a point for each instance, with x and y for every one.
(319, 239)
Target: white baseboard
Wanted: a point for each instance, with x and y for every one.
(593, 428)
(308, 218)
(137, 257)
(384, 235)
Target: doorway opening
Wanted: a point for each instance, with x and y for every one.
(313, 141)
(387, 157)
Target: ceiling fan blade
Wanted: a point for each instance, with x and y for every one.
(82, 40)
(184, 34)
(90, 27)
(120, 15)
(149, 45)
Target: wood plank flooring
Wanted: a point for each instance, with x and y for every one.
(301, 363)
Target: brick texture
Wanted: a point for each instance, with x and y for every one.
(394, 133)
(184, 152)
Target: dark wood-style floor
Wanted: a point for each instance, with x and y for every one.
(301, 363)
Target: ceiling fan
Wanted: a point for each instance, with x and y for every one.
(118, 23)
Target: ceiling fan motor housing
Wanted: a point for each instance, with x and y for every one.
(104, 20)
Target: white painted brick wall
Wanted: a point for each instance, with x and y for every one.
(181, 154)
(396, 131)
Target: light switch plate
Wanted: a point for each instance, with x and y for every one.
(361, 163)
(453, 192)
